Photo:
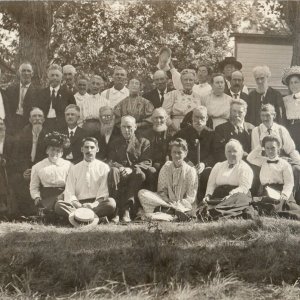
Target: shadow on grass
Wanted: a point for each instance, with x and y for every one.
(57, 261)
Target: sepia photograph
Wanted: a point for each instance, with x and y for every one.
(149, 149)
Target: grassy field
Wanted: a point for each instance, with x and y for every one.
(232, 259)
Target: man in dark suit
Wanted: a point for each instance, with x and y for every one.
(29, 149)
(69, 73)
(156, 96)
(236, 86)
(129, 158)
(235, 128)
(199, 138)
(264, 94)
(108, 132)
(54, 99)
(75, 134)
(21, 98)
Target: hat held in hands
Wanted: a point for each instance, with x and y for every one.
(83, 217)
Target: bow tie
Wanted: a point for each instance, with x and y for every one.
(272, 161)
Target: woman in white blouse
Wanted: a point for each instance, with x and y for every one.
(177, 186)
(229, 184)
(48, 177)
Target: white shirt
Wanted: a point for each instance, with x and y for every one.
(2, 139)
(202, 89)
(79, 98)
(22, 94)
(52, 113)
(2, 111)
(72, 130)
(270, 173)
(288, 145)
(240, 175)
(89, 107)
(115, 96)
(48, 174)
(87, 180)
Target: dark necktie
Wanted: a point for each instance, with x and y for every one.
(162, 97)
(269, 130)
(272, 161)
(53, 99)
(71, 135)
(188, 92)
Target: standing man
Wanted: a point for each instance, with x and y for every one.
(264, 94)
(129, 157)
(203, 88)
(21, 98)
(157, 95)
(87, 185)
(75, 134)
(4, 110)
(69, 73)
(236, 86)
(54, 99)
(118, 92)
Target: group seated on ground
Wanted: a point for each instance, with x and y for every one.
(82, 154)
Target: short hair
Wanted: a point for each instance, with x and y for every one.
(69, 68)
(214, 75)
(236, 143)
(83, 77)
(70, 106)
(96, 77)
(89, 139)
(128, 117)
(179, 142)
(55, 67)
(160, 71)
(135, 78)
(240, 102)
(106, 107)
(238, 71)
(25, 63)
(262, 69)
(270, 138)
(187, 71)
(34, 108)
(118, 68)
(159, 110)
(267, 108)
(201, 109)
(208, 68)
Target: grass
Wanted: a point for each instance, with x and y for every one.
(234, 259)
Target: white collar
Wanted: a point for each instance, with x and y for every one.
(232, 93)
(115, 91)
(72, 130)
(55, 89)
(159, 92)
(265, 129)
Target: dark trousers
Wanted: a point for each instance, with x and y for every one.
(124, 189)
(202, 184)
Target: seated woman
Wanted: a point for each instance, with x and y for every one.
(177, 186)
(48, 177)
(276, 177)
(227, 192)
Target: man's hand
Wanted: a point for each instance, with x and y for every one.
(76, 204)
(37, 201)
(126, 171)
(199, 168)
(206, 198)
(27, 174)
(87, 205)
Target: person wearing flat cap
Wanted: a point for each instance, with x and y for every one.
(87, 185)
(291, 78)
(227, 67)
(48, 177)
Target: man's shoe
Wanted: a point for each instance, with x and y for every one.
(126, 217)
(103, 220)
(115, 220)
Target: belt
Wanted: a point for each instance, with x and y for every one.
(294, 121)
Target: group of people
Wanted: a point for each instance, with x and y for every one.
(198, 145)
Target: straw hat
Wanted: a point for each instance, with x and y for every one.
(83, 217)
(230, 60)
(288, 72)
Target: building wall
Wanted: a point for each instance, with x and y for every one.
(277, 57)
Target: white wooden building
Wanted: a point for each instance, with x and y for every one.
(274, 51)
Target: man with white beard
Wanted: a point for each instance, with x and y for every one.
(108, 131)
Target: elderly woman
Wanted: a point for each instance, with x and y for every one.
(180, 102)
(227, 192)
(217, 102)
(177, 186)
(291, 78)
(48, 177)
(264, 94)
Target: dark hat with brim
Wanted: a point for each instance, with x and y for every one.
(83, 217)
(230, 60)
(288, 72)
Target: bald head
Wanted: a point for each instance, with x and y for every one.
(160, 80)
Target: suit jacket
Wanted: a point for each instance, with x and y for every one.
(225, 132)
(206, 139)
(243, 95)
(22, 149)
(63, 98)
(30, 100)
(134, 154)
(254, 104)
(103, 145)
(75, 145)
(73, 90)
(153, 97)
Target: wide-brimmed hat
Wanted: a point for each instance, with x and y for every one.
(230, 60)
(57, 139)
(288, 72)
(83, 217)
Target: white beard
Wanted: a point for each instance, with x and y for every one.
(160, 128)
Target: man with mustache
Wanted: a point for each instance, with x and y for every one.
(236, 86)
(69, 73)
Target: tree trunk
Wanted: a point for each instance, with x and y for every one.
(35, 29)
